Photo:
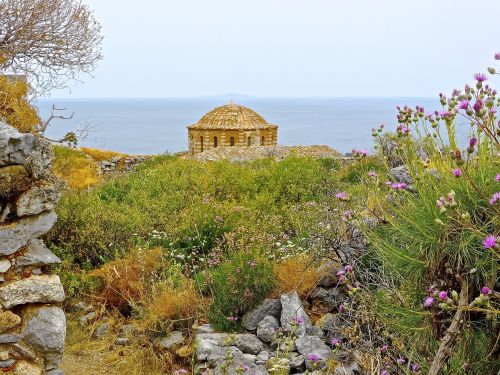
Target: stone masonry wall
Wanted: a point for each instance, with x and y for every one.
(32, 325)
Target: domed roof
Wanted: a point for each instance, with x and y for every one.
(231, 116)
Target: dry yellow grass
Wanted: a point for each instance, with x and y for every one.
(75, 168)
(100, 155)
(295, 273)
(15, 107)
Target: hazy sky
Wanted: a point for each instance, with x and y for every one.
(300, 48)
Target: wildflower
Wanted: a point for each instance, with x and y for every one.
(497, 178)
(495, 198)
(490, 242)
(340, 272)
(428, 301)
(373, 174)
(464, 104)
(347, 216)
(341, 307)
(401, 361)
(335, 342)
(232, 318)
(443, 295)
(348, 268)
(181, 371)
(342, 196)
(478, 105)
(497, 56)
(341, 279)
(313, 357)
(399, 186)
(480, 77)
(472, 141)
(457, 172)
(299, 320)
(383, 348)
(384, 372)
(485, 290)
(415, 367)
(245, 367)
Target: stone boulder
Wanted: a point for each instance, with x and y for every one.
(13, 180)
(269, 307)
(34, 289)
(293, 315)
(211, 346)
(16, 235)
(8, 321)
(401, 174)
(45, 331)
(328, 297)
(267, 329)
(249, 344)
(314, 350)
(37, 254)
(39, 198)
(15, 147)
(173, 341)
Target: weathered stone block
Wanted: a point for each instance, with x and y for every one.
(15, 147)
(39, 198)
(8, 321)
(35, 289)
(293, 315)
(37, 254)
(13, 180)
(16, 235)
(268, 307)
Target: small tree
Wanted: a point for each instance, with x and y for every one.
(50, 41)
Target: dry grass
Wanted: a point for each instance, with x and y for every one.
(295, 273)
(101, 155)
(15, 107)
(75, 168)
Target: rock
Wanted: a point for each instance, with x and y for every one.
(172, 341)
(4, 265)
(45, 332)
(25, 368)
(248, 343)
(7, 363)
(13, 180)
(4, 356)
(8, 321)
(87, 319)
(37, 199)
(249, 358)
(401, 174)
(328, 274)
(123, 341)
(35, 289)
(127, 330)
(5, 211)
(211, 346)
(101, 331)
(205, 328)
(15, 146)
(24, 350)
(324, 321)
(83, 307)
(10, 339)
(312, 346)
(293, 316)
(296, 361)
(235, 362)
(37, 254)
(267, 329)
(55, 372)
(269, 307)
(262, 358)
(14, 236)
(330, 298)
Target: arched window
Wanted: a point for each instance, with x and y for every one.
(249, 141)
(215, 142)
(231, 141)
(262, 141)
(201, 143)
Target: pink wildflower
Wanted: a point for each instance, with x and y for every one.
(495, 198)
(443, 295)
(457, 172)
(490, 242)
(374, 174)
(415, 367)
(464, 104)
(313, 357)
(472, 141)
(485, 290)
(480, 77)
(497, 178)
(335, 342)
(497, 56)
(428, 301)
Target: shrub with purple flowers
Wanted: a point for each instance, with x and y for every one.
(444, 233)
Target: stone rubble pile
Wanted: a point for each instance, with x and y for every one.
(121, 164)
(255, 352)
(32, 325)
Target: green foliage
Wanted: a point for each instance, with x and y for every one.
(236, 286)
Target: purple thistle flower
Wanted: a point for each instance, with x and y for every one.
(313, 357)
(443, 295)
(341, 307)
(485, 290)
(428, 301)
(384, 372)
(341, 279)
(342, 196)
(464, 104)
(472, 141)
(490, 242)
(383, 348)
(374, 174)
(340, 272)
(299, 320)
(478, 105)
(495, 198)
(497, 178)
(497, 56)
(415, 367)
(480, 77)
(457, 172)
(335, 342)
(399, 186)
(348, 268)
(401, 361)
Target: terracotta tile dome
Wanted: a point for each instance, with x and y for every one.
(231, 116)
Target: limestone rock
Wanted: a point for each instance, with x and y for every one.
(331, 297)
(37, 254)
(401, 174)
(4, 265)
(8, 321)
(325, 321)
(35, 289)
(262, 358)
(45, 331)
(328, 274)
(39, 198)
(269, 307)
(24, 350)
(101, 331)
(127, 330)
(83, 307)
(4, 356)
(8, 363)
(13, 180)
(15, 146)
(172, 341)
(248, 343)
(14, 236)
(87, 319)
(297, 361)
(204, 328)
(26, 368)
(310, 346)
(267, 329)
(123, 341)
(211, 346)
(10, 339)
(293, 315)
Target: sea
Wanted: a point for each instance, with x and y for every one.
(153, 126)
